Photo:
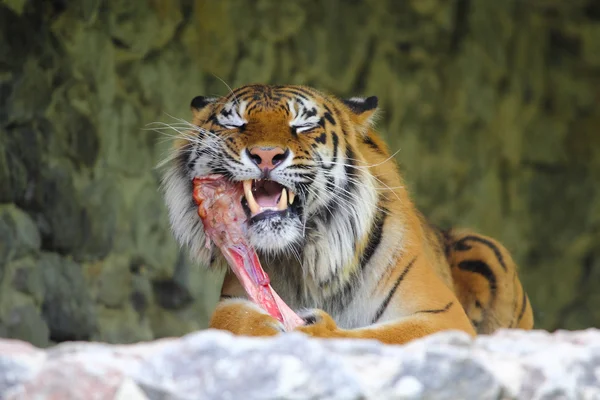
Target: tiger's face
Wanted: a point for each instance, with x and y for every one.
(293, 150)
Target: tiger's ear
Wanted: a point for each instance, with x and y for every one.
(199, 102)
(363, 110)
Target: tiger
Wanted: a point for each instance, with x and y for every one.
(333, 223)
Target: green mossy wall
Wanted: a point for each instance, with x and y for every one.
(494, 107)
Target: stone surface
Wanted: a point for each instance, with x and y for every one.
(493, 107)
(19, 235)
(67, 306)
(216, 365)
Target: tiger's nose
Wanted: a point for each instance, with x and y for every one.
(267, 158)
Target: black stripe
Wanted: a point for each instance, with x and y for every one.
(387, 300)
(229, 146)
(321, 139)
(350, 167)
(226, 296)
(327, 211)
(335, 139)
(437, 311)
(369, 142)
(479, 267)
(214, 121)
(251, 107)
(349, 192)
(374, 239)
(184, 160)
(183, 171)
(309, 113)
(329, 118)
(243, 92)
(462, 246)
(275, 98)
(301, 166)
(219, 169)
(330, 184)
(523, 307)
(345, 295)
(296, 92)
(230, 157)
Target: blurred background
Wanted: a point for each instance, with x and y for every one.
(494, 107)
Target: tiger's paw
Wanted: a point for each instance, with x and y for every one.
(319, 324)
(242, 317)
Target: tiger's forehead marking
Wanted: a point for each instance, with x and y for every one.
(260, 97)
(303, 112)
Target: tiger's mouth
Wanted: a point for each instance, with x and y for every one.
(264, 198)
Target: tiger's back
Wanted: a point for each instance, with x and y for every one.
(479, 269)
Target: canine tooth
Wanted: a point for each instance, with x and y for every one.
(282, 205)
(247, 186)
(292, 197)
(252, 204)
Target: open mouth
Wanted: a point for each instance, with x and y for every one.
(265, 198)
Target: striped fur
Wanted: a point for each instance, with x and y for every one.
(356, 254)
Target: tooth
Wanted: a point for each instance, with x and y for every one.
(247, 186)
(282, 205)
(292, 197)
(252, 204)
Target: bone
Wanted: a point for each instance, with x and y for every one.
(224, 221)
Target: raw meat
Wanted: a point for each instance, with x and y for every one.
(224, 220)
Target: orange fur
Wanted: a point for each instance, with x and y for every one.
(435, 280)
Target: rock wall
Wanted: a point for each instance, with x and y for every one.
(493, 106)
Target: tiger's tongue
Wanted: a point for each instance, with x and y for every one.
(268, 194)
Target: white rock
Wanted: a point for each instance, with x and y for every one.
(210, 364)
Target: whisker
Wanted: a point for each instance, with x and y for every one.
(228, 87)
(349, 196)
(378, 164)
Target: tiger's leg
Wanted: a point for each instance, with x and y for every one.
(414, 303)
(487, 283)
(236, 314)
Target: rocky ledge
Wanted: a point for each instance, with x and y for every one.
(216, 365)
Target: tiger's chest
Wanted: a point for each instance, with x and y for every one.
(351, 307)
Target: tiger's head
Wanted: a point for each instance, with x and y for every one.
(297, 152)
